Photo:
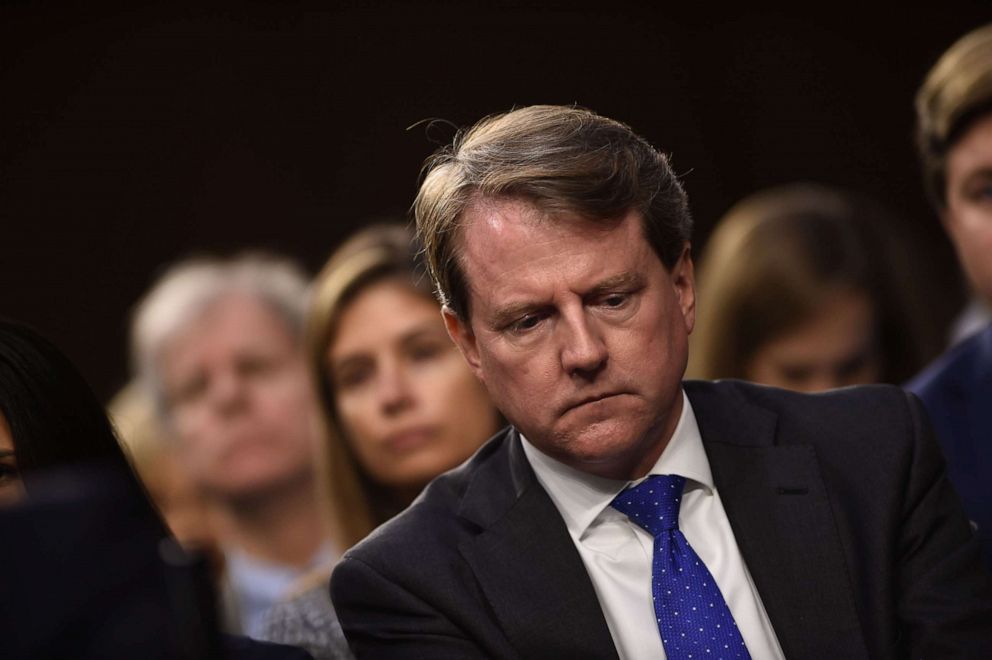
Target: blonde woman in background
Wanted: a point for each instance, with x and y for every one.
(154, 458)
(399, 405)
(797, 289)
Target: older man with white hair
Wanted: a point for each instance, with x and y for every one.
(217, 342)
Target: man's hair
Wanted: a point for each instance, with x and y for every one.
(956, 92)
(561, 160)
(189, 288)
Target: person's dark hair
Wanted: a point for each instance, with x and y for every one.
(777, 256)
(54, 417)
(560, 159)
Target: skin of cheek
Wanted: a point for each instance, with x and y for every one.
(11, 487)
(968, 215)
(447, 397)
(459, 404)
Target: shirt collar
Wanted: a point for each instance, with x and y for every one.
(581, 497)
(266, 579)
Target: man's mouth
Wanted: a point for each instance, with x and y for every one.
(578, 403)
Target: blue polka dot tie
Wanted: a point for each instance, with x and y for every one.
(693, 618)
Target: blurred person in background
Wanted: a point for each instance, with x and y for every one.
(954, 138)
(218, 344)
(49, 417)
(399, 405)
(85, 572)
(797, 289)
(153, 455)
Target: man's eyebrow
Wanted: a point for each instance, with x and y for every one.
(628, 280)
(506, 315)
(4, 453)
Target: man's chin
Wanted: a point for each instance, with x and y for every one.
(253, 488)
(602, 448)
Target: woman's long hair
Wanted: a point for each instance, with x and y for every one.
(55, 420)
(357, 504)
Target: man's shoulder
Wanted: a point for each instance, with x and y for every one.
(842, 405)
(864, 422)
(955, 369)
(434, 523)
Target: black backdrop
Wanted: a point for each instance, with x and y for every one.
(131, 137)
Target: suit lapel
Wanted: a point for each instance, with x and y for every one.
(780, 512)
(528, 567)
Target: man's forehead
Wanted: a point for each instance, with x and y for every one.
(226, 321)
(512, 248)
(974, 152)
(501, 218)
(492, 223)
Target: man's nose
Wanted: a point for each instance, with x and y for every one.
(227, 392)
(583, 351)
(394, 390)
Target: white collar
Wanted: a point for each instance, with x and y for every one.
(582, 497)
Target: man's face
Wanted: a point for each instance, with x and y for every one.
(241, 401)
(578, 331)
(968, 215)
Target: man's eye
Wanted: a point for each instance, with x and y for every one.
(980, 192)
(526, 323)
(190, 391)
(255, 366)
(615, 300)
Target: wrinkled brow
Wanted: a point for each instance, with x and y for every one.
(622, 281)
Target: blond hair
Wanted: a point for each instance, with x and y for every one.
(562, 160)
(956, 92)
(356, 503)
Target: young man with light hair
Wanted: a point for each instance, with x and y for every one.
(954, 138)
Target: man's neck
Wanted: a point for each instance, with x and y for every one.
(285, 527)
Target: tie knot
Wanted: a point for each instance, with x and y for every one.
(654, 503)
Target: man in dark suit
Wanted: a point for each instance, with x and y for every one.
(624, 513)
(954, 135)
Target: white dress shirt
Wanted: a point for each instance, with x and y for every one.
(257, 585)
(618, 553)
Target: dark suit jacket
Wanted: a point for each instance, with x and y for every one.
(839, 504)
(957, 391)
(84, 575)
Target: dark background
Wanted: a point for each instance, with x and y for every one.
(131, 137)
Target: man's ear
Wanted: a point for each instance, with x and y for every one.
(684, 281)
(460, 331)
